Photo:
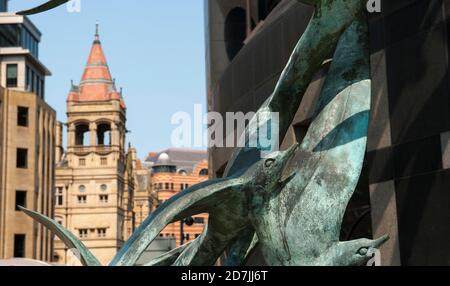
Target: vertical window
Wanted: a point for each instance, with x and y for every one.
(181, 186)
(28, 79)
(19, 245)
(42, 95)
(38, 86)
(101, 232)
(104, 161)
(160, 186)
(172, 186)
(167, 186)
(21, 199)
(22, 116)
(104, 199)
(82, 162)
(11, 75)
(59, 197)
(22, 158)
(82, 200)
(83, 233)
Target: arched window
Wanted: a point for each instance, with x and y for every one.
(204, 172)
(81, 134)
(235, 31)
(104, 134)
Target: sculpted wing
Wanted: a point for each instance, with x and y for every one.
(330, 159)
(201, 198)
(69, 239)
(44, 7)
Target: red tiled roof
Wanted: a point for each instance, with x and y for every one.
(96, 83)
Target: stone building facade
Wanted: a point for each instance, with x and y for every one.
(172, 171)
(95, 175)
(27, 141)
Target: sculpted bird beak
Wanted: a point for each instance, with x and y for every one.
(379, 242)
(42, 8)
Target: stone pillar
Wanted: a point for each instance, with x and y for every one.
(115, 134)
(93, 134)
(58, 141)
(71, 135)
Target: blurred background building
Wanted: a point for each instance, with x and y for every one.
(403, 190)
(172, 171)
(27, 140)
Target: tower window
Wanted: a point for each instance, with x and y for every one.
(11, 75)
(82, 200)
(104, 199)
(22, 116)
(104, 134)
(81, 138)
(22, 158)
(21, 199)
(101, 232)
(83, 233)
(19, 245)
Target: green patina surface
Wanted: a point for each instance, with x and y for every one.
(295, 210)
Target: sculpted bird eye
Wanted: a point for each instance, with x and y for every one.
(269, 163)
(363, 251)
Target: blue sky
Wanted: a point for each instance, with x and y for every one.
(155, 50)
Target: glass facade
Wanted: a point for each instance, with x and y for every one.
(16, 35)
(27, 41)
(3, 5)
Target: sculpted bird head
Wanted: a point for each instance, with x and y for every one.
(353, 253)
(268, 171)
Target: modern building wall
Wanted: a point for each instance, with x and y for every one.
(402, 190)
(30, 184)
(27, 141)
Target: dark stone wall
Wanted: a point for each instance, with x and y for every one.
(412, 36)
(409, 139)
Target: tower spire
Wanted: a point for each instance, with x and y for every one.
(97, 34)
